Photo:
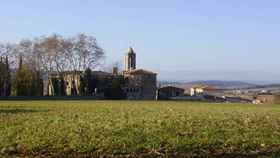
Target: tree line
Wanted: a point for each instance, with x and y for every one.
(23, 65)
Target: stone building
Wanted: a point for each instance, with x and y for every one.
(139, 83)
(66, 83)
(169, 91)
(268, 98)
(201, 89)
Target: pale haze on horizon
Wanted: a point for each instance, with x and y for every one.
(179, 39)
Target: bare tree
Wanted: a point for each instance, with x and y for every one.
(50, 53)
(55, 54)
(82, 52)
(25, 50)
(7, 50)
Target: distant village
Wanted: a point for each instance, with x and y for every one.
(57, 67)
(202, 92)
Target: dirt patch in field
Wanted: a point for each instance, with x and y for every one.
(17, 110)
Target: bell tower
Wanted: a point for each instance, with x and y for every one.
(130, 60)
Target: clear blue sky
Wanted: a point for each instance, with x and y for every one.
(201, 39)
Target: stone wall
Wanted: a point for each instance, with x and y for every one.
(141, 86)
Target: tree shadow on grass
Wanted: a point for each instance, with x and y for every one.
(17, 110)
(46, 154)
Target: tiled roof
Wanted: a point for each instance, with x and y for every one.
(166, 87)
(204, 87)
(101, 73)
(140, 71)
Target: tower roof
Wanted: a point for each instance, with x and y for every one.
(130, 50)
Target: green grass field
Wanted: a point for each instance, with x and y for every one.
(137, 129)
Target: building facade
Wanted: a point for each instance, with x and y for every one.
(63, 84)
(201, 89)
(268, 98)
(169, 91)
(139, 83)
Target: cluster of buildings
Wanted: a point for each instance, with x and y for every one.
(211, 94)
(138, 83)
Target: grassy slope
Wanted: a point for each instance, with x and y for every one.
(137, 128)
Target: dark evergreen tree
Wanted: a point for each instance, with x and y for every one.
(62, 87)
(114, 88)
(87, 83)
(23, 81)
(56, 87)
(2, 77)
(37, 84)
(8, 79)
(27, 81)
(5, 77)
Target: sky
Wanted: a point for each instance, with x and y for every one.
(179, 39)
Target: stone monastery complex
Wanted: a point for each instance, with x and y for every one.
(138, 83)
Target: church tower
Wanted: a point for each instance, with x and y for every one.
(130, 60)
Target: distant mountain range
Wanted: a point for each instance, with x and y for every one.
(223, 84)
(219, 84)
(215, 83)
